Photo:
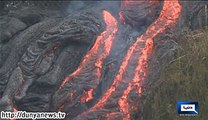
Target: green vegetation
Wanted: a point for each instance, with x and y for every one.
(185, 78)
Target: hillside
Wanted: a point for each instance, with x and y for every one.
(184, 78)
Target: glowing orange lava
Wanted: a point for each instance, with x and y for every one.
(96, 55)
(170, 12)
(87, 96)
(168, 16)
(121, 18)
(14, 110)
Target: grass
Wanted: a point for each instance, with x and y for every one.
(185, 78)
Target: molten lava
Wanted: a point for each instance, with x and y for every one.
(121, 18)
(169, 14)
(14, 110)
(94, 58)
(101, 49)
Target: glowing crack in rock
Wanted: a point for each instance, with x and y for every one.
(14, 110)
(94, 58)
(169, 14)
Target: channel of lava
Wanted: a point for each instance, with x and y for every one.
(14, 110)
(89, 71)
(168, 16)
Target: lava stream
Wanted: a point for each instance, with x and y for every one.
(95, 57)
(14, 110)
(169, 14)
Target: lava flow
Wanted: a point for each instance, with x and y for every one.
(94, 58)
(169, 14)
(14, 110)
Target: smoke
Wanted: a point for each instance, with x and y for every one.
(78, 6)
